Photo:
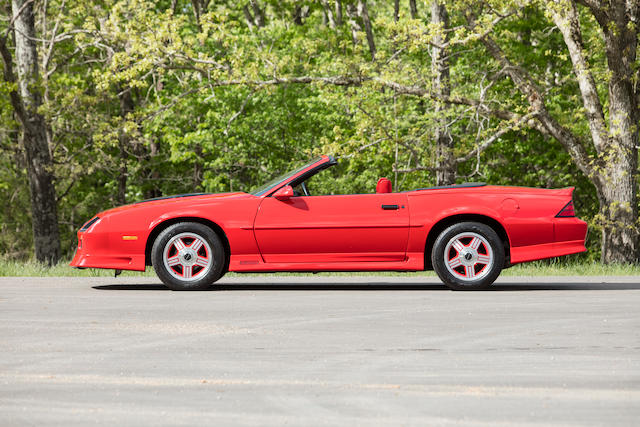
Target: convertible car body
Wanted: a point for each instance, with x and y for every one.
(466, 232)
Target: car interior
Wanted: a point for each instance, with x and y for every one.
(318, 182)
(306, 188)
(384, 186)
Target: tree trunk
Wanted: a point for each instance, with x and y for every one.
(34, 135)
(413, 8)
(445, 160)
(153, 175)
(121, 195)
(126, 107)
(338, 7)
(199, 7)
(329, 13)
(352, 13)
(256, 18)
(258, 14)
(198, 168)
(299, 14)
(620, 208)
(197, 11)
(363, 11)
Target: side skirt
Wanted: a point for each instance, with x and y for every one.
(254, 264)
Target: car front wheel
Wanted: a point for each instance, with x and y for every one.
(188, 256)
(468, 256)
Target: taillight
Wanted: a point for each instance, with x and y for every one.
(567, 211)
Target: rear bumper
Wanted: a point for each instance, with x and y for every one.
(569, 235)
(547, 250)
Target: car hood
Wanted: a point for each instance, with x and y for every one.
(176, 201)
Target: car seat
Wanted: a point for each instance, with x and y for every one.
(383, 186)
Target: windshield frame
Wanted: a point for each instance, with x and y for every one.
(279, 181)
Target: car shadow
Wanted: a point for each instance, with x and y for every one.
(374, 286)
(384, 286)
(564, 286)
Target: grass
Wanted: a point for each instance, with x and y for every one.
(32, 268)
(539, 268)
(556, 268)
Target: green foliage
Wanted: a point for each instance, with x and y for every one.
(139, 91)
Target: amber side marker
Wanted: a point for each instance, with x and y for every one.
(129, 237)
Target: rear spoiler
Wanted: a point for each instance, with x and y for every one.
(563, 191)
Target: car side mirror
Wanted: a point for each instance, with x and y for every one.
(284, 193)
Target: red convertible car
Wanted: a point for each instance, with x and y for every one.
(467, 233)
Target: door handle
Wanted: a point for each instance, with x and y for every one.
(390, 207)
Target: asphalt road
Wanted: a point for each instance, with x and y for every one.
(276, 350)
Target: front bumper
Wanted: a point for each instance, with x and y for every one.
(95, 250)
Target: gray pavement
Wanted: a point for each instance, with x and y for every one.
(321, 350)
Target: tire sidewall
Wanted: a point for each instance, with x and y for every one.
(437, 256)
(217, 249)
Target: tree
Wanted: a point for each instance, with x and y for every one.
(609, 156)
(445, 164)
(139, 96)
(26, 98)
(614, 138)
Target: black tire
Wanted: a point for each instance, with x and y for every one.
(471, 271)
(183, 232)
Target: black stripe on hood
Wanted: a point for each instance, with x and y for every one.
(177, 196)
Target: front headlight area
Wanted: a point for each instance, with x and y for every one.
(86, 228)
(89, 224)
(93, 235)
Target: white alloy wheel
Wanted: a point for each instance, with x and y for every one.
(187, 257)
(468, 256)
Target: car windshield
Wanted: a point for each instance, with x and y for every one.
(274, 182)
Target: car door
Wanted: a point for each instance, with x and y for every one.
(337, 228)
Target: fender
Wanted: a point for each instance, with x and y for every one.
(429, 208)
(236, 223)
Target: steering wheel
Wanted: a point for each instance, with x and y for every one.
(305, 190)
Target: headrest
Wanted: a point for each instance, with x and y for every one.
(383, 186)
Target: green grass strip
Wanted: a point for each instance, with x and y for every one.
(555, 267)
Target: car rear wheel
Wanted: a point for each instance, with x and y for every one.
(468, 256)
(188, 256)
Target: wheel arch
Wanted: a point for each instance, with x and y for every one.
(169, 222)
(443, 223)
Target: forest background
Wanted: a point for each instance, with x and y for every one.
(107, 102)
